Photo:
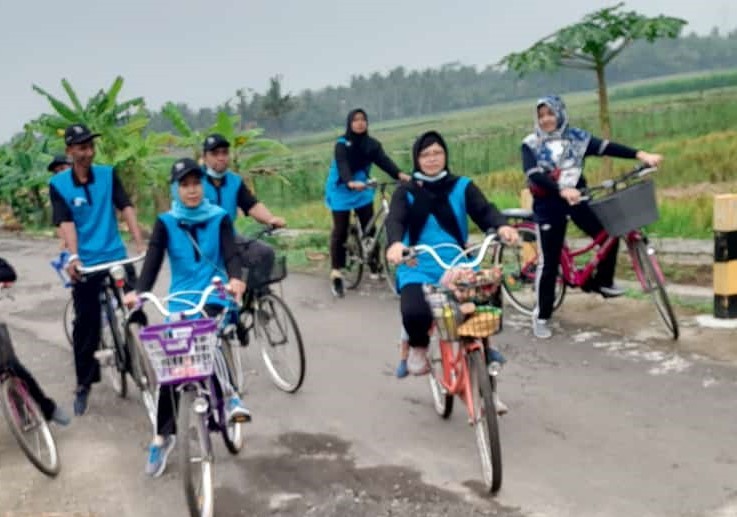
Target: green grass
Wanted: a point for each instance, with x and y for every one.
(694, 131)
(690, 83)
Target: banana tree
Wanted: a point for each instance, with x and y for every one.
(249, 151)
(23, 177)
(118, 122)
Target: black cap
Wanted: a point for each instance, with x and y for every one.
(182, 167)
(214, 141)
(78, 134)
(59, 159)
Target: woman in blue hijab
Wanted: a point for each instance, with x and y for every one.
(199, 239)
(553, 161)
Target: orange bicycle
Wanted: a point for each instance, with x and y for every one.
(463, 365)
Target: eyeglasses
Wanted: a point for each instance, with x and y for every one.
(431, 154)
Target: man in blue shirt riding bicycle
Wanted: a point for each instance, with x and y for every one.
(84, 198)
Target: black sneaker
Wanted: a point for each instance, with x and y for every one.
(337, 287)
(241, 333)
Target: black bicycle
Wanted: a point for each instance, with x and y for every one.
(120, 352)
(267, 317)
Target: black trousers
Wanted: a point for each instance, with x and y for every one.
(341, 220)
(86, 331)
(416, 315)
(551, 235)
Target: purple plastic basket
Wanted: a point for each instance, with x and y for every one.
(181, 351)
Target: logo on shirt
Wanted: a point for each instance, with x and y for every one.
(79, 201)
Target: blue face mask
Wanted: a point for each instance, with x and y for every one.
(216, 175)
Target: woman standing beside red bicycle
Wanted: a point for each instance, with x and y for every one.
(553, 161)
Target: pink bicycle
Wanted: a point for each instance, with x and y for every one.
(628, 205)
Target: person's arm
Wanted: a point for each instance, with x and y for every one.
(396, 221)
(157, 245)
(228, 248)
(245, 199)
(535, 173)
(481, 211)
(233, 265)
(122, 202)
(341, 160)
(385, 163)
(264, 216)
(599, 147)
(62, 219)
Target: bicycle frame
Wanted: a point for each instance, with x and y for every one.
(375, 224)
(456, 379)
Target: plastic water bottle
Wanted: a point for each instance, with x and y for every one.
(59, 265)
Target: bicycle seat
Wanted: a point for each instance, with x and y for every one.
(517, 213)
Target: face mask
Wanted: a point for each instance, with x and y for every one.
(217, 175)
(430, 179)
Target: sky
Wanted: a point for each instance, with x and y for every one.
(201, 52)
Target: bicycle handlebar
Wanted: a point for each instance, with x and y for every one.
(490, 238)
(217, 285)
(109, 265)
(640, 171)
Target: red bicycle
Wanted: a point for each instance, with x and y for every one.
(628, 205)
(464, 320)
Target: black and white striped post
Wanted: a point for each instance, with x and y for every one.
(725, 256)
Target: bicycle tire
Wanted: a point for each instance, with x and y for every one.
(524, 274)
(442, 400)
(354, 259)
(390, 270)
(267, 307)
(141, 370)
(200, 505)
(13, 394)
(117, 373)
(69, 316)
(652, 280)
(486, 424)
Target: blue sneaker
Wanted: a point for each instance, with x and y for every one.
(494, 356)
(80, 400)
(60, 417)
(237, 412)
(402, 369)
(157, 456)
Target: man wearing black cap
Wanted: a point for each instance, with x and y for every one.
(227, 189)
(84, 199)
(59, 163)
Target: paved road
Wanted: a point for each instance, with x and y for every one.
(599, 425)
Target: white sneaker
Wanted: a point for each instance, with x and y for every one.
(612, 291)
(541, 329)
(417, 363)
(501, 407)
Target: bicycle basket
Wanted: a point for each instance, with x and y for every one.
(484, 322)
(628, 209)
(258, 278)
(181, 351)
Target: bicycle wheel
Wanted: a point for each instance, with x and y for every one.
(69, 321)
(353, 259)
(485, 422)
(390, 270)
(519, 266)
(653, 282)
(442, 400)
(29, 427)
(235, 364)
(195, 454)
(281, 343)
(113, 352)
(141, 370)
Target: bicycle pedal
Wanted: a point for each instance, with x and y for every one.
(241, 419)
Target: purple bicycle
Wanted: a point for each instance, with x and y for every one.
(192, 355)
